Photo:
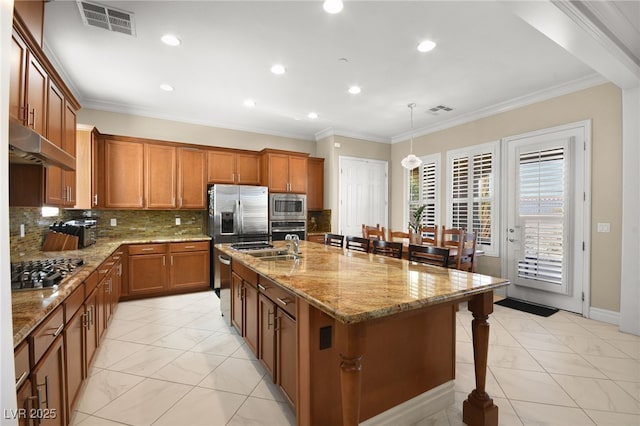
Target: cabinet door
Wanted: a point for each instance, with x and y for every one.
(55, 194)
(69, 145)
(298, 174)
(267, 343)
(101, 326)
(247, 169)
(147, 274)
(160, 163)
(123, 174)
(91, 337)
(236, 302)
(17, 73)
(48, 384)
(36, 95)
(315, 184)
(189, 270)
(192, 186)
(286, 369)
(221, 167)
(279, 173)
(75, 356)
(251, 317)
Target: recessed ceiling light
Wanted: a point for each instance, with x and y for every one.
(249, 103)
(170, 40)
(312, 115)
(278, 69)
(166, 87)
(426, 46)
(354, 90)
(332, 6)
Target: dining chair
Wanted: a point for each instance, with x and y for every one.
(431, 255)
(452, 239)
(428, 235)
(357, 243)
(376, 234)
(466, 255)
(367, 228)
(334, 240)
(399, 236)
(387, 248)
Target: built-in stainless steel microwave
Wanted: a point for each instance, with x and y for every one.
(287, 207)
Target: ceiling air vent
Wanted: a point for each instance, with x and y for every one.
(440, 108)
(105, 17)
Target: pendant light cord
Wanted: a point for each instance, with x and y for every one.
(411, 106)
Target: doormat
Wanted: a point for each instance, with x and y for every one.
(519, 305)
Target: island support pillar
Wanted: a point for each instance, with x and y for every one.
(352, 342)
(479, 409)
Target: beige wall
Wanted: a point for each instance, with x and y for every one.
(603, 105)
(152, 128)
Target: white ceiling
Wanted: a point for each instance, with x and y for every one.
(486, 56)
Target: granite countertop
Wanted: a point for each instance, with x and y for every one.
(353, 287)
(30, 307)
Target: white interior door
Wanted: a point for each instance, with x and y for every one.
(545, 218)
(363, 194)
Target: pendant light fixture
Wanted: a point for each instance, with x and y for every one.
(410, 162)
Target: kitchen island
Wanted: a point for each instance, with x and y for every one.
(375, 336)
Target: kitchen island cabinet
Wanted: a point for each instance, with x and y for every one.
(360, 357)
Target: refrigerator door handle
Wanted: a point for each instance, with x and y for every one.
(240, 221)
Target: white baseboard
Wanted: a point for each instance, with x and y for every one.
(416, 409)
(604, 315)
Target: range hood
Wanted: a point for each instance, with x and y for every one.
(27, 147)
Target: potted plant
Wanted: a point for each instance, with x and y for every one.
(415, 221)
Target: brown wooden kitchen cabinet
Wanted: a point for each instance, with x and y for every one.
(189, 266)
(147, 269)
(283, 171)
(233, 167)
(315, 184)
(160, 178)
(74, 344)
(267, 340)
(244, 304)
(123, 174)
(192, 187)
(31, 13)
(91, 325)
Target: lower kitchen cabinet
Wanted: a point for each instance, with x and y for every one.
(49, 385)
(74, 345)
(26, 402)
(267, 344)
(244, 304)
(286, 344)
(159, 269)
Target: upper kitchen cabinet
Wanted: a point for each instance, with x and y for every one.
(192, 187)
(143, 174)
(31, 15)
(284, 171)
(123, 174)
(315, 184)
(233, 167)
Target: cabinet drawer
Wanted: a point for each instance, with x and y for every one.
(91, 283)
(22, 363)
(73, 303)
(104, 269)
(247, 274)
(189, 246)
(281, 297)
(138, 249)
(46, 333)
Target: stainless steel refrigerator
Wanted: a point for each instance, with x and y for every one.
(237, 214)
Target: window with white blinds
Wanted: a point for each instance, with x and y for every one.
(424, 189)
(472, 193)
(542, 209)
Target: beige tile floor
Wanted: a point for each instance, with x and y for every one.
(174, 361)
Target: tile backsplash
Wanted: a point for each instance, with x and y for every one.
(128, 222)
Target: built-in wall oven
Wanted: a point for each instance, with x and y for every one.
(287, 215)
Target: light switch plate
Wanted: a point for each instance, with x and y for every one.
(604, 227)
(178, 221)
(22, 230)
(114, 221)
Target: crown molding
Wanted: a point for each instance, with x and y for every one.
(329, 131)
(519, 102)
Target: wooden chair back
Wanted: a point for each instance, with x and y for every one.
(466, 256)
(367, 228)
(395, 236)
(357, 243)
(377, 234)
(452, 238)
(387, 248)
(431, 255)
(428, 235)
(335, 240)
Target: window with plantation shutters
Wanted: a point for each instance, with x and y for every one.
(542, 211)
(472, 193)
(424, 189)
